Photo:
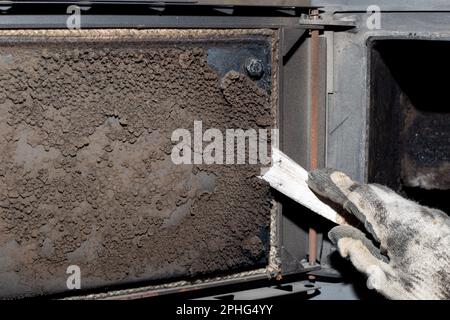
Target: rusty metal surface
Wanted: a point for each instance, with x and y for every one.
(86, 176)
(314, 130)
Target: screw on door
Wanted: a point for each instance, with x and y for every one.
(254, 67)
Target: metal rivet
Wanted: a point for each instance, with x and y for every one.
(254, 67)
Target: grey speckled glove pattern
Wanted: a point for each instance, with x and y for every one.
(412, 257)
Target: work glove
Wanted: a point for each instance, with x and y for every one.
(412, 257)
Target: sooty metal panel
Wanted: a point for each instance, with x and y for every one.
(86, 176)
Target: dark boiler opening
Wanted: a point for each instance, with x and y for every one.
(409, 124)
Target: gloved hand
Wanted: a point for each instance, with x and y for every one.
(413, 261)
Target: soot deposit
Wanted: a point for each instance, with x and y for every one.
(86, 176)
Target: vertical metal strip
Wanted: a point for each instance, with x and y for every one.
(314, 122)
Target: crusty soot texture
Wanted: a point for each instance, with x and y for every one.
(86, 176)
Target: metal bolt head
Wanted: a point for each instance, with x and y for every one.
(254, 67)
